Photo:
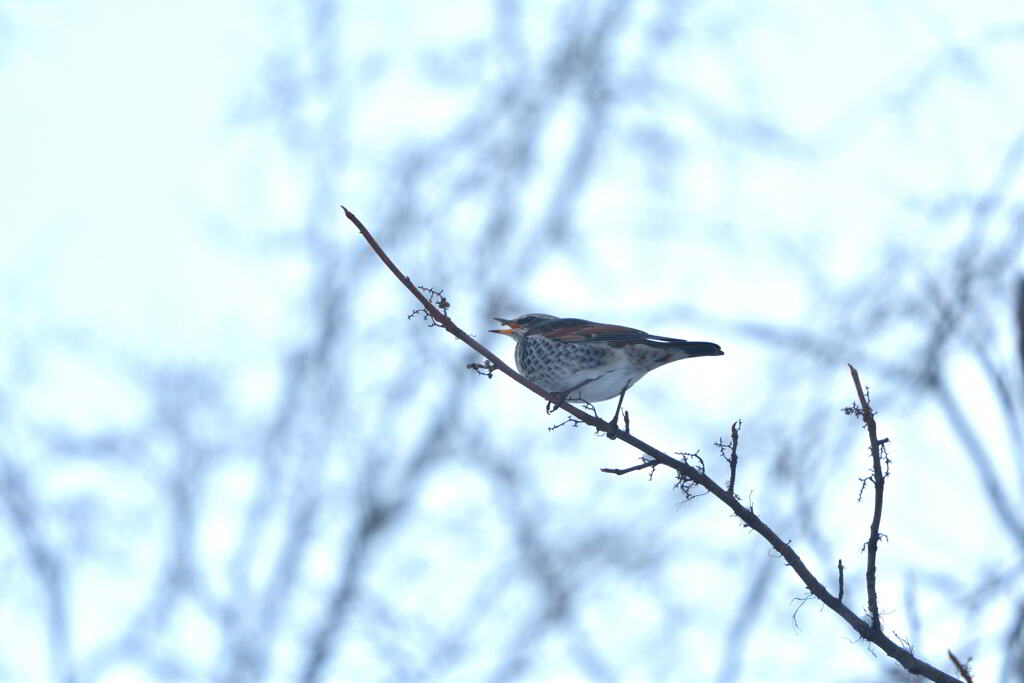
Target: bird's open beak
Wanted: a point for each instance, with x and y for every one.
(512, 325)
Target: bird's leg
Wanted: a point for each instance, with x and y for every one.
(614, 424)
(563, 395)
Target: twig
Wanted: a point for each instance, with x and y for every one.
(732, 457)
(437, 298)
(878, 479)
(802, 600)
(685, 483)
(961, 667)
(642, 466)
(840, 596)
(746, 515)
(486, 368)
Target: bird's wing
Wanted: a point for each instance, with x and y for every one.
(576, 330)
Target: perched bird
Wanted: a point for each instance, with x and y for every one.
(583, 361)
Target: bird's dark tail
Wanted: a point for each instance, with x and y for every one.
(692, 349)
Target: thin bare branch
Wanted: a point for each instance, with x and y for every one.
(642, 466)
(878, 480)
(731, 458)
(961, 667)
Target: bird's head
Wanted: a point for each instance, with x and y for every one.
(521, 326)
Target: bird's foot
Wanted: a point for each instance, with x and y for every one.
(560, 397)
(613, 431)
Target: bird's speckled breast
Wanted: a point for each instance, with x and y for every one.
(557, 365)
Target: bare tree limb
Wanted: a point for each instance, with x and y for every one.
(878, 480)
(868, 632)
(1006, 511)
(1020, 323)
(50, 571)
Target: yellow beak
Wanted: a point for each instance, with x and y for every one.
(507, 323)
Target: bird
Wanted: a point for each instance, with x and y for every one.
(581, 361)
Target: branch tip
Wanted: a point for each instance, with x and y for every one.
(962, 668)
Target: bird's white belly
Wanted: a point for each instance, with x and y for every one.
(605, 386)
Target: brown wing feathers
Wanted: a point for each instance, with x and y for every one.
(577, 330)
(584, 330)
